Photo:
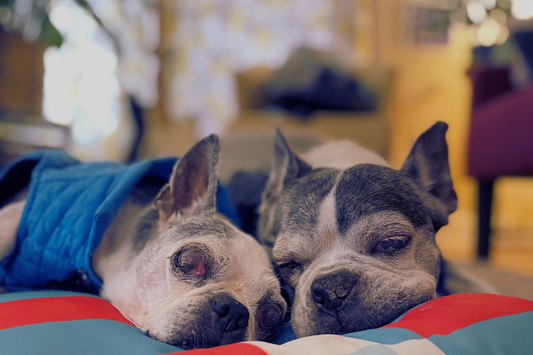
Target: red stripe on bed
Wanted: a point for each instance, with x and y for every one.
(445, 315)
(231, 349)
(56, 309)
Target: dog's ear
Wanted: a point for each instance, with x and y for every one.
(193, 182)
(427, 164)
(286, 168)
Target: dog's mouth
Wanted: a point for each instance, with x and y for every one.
(342, 322)
(348, 318)
(208, 340)
(203, 340)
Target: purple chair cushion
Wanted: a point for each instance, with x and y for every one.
(488, 83)
(501, 136)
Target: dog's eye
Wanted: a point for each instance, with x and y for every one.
(390, 244)
(191, 262)
(290, 271)
(290, 265)
(268, 315)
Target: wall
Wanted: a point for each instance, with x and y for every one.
(21, 89)
(430, 85)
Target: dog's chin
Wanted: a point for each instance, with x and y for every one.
(206, 340)
(349, 319)
(329, 324)
(196, 325)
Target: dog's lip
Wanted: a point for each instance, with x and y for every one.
(346, 327)
(330, 325)
(194, 343)
(189, 344)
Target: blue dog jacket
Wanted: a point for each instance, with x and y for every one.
(68, 209)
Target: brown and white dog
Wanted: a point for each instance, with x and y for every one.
(175, 267)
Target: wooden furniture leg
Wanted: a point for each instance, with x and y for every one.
(485, 190)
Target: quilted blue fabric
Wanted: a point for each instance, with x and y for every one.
(68, 209)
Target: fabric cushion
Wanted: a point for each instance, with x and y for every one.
(500, 141)
(60, 322)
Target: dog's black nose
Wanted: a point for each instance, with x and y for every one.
(330, 290)
(233, 315)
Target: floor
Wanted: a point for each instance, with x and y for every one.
(510, 265)
(512, 239)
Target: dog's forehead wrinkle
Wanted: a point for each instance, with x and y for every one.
(286, 248)
(368, 189)
(379, 224)
(207, 224)
(343, 257)
(295, 247)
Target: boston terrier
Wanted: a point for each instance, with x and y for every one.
(168, 260)
(354, 240)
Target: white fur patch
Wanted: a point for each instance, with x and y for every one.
(341, 155)
(10, 217)
(327, 220)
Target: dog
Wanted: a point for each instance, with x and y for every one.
(173, 265)
(354, 240)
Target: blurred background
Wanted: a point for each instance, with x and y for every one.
(126, 80)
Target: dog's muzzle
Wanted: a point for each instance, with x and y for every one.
(221, 320)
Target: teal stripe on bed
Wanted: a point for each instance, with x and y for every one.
(511, 334)
(387, 336)
(14, 296)
(81, 337)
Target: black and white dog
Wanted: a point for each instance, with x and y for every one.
(176, 267)
(354, 240)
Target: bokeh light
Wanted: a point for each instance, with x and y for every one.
(489, 32)
(522, 9)
(499, 16)
(80, 84)
(489, 4)
(476, 11)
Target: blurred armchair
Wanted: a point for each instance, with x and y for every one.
(500, 141)
(369, 128)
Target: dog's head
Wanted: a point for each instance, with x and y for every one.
(356, 246)
(200, 281)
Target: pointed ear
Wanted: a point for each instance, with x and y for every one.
(193, 182)
(286, 168)
(427, 165)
